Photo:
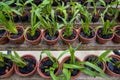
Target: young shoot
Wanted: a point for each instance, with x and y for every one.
(16, 59)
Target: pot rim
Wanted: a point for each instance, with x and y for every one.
(24, 75)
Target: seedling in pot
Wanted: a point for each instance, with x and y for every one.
(61, 10)
(106, 31)
(6, 65)
(32, 33)
(69, 32)
(73, 66)
(113, 66)
(49, 66)
(96, 13)
(51, 26)
(99, 61)
(21, 8)
(23, 65)
(5, 14)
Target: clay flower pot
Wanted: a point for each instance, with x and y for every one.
(34, 40)
(88, 57)
(50, 40)
(32, 60)
(116, 37)
(86, 39)
(8, 72)
(40, 65)
(17, 38)
(67, 41)
(67, 58)
(101, 40)
(108, 70)
(3, 38)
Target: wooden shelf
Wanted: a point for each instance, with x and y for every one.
(59, 46)
(37, 77)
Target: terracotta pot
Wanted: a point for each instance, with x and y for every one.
(108, 71)
(9, 73)
(116, 37)
(67, 41)
(50, 42)
(65, 59)
(40, 72)
(103, 64)
(86, 40)
(36, 41)
(4, 39)
(101, 40)
(18, 40)
(32, 72)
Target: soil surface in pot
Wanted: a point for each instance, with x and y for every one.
(48, 37)
(92, 34)
(70, 37)
(95, 18)
(73, 71)
(29, 67)
(8, 65)
(118, 32)
(92, 60)
(45, 65)
(104, 36)
(37, 34)
(116, 52)
(20, 32)
(112, 67)
(2, 32)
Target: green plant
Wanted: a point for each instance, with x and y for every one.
(55, 62)
(107, 28)
(67, 68)
(21, 5)
(1, 60)
(6, 17)
(62, 9)
(102, 58)
(69, 25)
(49, 23)
(16, 59)
(34, 23)
(95, 3)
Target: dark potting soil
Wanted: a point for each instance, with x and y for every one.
(95, 19)
(91, 59)
(92, 34)
(2, 32)
(37, 34)
(106, 17)
(46, 65)
(118, 32)
(29, 67)
(15, 18)
(8, 65)
(116, 52)
(104, 36)
(73, 71)
(20, 32)
(70, 37)
(48, 37)
(24, 18)
(112, 67)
